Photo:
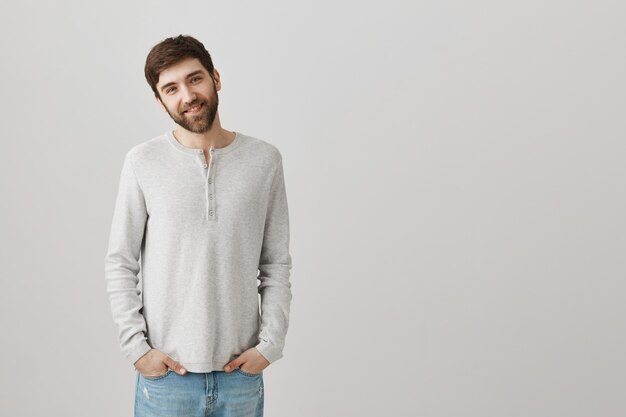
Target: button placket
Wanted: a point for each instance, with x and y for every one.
(210, 187)
(209, 184)
(208, 172)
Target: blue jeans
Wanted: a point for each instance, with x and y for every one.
(212, 394)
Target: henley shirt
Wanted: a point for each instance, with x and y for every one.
(208, 238)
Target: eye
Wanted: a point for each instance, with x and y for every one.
(169, 90)
(196, 78)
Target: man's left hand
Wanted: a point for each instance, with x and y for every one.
(251, 361)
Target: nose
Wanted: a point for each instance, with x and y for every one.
(188, 96)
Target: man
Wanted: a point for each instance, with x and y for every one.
(206, 209)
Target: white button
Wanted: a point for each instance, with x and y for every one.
(200, 151)
(205, 165)
(210, 180)
(210, 212)
(210, 196)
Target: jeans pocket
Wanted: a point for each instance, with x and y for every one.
(154, 378)
(248, 374)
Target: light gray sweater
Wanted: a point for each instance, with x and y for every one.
(207, 235)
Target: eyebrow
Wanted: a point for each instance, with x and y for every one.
(188, 75)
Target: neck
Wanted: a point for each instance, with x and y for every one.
(216, 137)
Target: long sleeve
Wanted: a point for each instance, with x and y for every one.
(274, 271)
(121, 264)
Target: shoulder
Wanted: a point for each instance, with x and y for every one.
(261, 148)
(147, 150)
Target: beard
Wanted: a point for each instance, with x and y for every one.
(202, 121)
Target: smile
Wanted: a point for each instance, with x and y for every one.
(195, 109)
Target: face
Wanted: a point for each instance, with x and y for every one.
(185, 86)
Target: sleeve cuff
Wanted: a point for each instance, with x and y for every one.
(135, 354)
(269, 351)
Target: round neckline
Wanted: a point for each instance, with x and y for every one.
(232, 145)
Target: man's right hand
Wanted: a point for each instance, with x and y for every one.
(156, 363)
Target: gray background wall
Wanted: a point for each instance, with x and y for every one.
(455, 173)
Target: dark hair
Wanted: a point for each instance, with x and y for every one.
(170, 51)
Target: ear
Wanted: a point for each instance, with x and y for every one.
(216, 78)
